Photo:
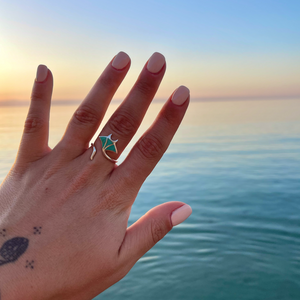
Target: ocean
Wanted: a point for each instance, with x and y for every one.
(237, 164)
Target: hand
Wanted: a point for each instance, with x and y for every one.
(63, 216)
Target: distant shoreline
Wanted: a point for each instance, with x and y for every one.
(116, 101)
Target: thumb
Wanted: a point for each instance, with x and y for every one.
(149, 229)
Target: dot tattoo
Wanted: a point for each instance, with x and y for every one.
(3, 232)
(29, 264)
(37, 230)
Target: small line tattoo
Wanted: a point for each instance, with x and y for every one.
(3, 233)
(12, 249)
(29, 264)
(37, 230)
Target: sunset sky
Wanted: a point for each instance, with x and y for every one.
(217, 48)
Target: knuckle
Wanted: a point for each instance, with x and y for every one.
(169, 118)
(145, 87)
(122, 124)
(158, 231)
(85, 115)
(37, 94)
(150, 147)
(33, 124)
(108, 81)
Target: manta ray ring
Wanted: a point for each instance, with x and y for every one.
(108, 144)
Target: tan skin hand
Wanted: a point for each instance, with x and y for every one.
(70, 213)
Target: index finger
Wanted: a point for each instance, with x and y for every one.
(147, 152)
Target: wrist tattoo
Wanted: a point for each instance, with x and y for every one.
(12, 249)
(29, 264)
(37, 230)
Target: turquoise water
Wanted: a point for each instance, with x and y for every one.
(237, 163)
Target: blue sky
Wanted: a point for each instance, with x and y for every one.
(217, 48)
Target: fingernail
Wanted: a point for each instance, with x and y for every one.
(156, 62)
(41, 73)
(180, 95)
(180, 214)
(120, 61)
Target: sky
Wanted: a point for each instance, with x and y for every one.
(217, 48)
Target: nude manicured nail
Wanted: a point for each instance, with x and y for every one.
(181, 214)
(180, 95)
(120, 61)
(156, 62)
(41, 73)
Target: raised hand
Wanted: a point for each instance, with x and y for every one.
(70, 205)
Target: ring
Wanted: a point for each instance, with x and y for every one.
(94, 151)
(107, 145)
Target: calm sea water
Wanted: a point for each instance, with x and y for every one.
(237, 163)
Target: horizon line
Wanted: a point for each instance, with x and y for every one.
(62, 102)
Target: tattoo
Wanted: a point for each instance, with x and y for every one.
(37, 230)
(29, 264)
(13, 249)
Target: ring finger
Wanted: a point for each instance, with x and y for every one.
(125, 121)
(89, 114)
